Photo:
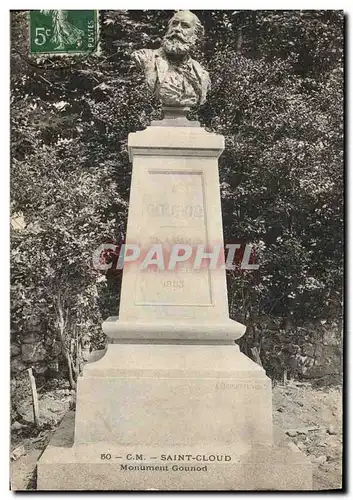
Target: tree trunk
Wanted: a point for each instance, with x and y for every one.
(69, 366)
(62, 324)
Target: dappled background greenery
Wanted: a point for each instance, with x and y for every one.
(277, 97)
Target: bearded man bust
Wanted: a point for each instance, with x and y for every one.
(171, 74)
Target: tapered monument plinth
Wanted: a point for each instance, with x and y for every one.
(173, 404)
(174, 199)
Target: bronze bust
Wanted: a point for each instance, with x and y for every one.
(171, 74)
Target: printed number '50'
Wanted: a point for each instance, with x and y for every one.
(41, 36)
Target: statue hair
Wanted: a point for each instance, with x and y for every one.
(199, 29)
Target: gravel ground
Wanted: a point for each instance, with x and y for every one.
(312, 419)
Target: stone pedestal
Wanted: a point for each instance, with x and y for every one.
(174, 199)
(173, 404)
(174, 395)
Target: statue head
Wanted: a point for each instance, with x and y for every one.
(183, 33)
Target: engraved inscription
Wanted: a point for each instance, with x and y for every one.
(173, 240)
(174, 211)
(165, 312)
(173, 284)
(221, 386)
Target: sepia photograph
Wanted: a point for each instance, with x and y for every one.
(177, 250)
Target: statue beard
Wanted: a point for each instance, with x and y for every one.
(178, 45)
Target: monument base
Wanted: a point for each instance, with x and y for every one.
(171, 417)
(101, 466)
(173, 394)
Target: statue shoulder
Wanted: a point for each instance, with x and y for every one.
(204, 78)
(200, 70)
(143, 57)
(202, 74)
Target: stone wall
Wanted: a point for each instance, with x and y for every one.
(35, 349)
(313, 352)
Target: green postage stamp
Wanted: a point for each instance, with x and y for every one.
(64, 31)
